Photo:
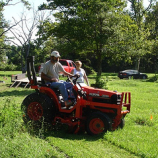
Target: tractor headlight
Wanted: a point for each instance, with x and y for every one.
(115, 99)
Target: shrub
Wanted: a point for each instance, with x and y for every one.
(2, 66)
(7, 67)
(88, 69)
(10, 67)
(100, 83)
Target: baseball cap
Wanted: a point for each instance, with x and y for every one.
(55, 54)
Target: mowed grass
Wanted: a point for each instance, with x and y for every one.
(137, 139)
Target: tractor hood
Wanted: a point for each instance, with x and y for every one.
(101, 95)
(96, 92)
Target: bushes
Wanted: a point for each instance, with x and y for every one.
(8, 67)
(88, 69)
(100, 83)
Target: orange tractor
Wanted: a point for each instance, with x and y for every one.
(94, 110)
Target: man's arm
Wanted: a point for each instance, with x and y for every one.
(47, 78)
(72, 71)
(67, 74)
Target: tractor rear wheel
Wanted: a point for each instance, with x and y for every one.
(98, 123)
(38, 109)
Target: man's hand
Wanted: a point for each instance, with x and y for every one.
(77, 75)
(54, 80)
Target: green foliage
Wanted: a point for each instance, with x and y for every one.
(100, 82)
(8, 67)
(103, 31)
(26, 4)
(89, 70)
(85, 26)
(3, 24)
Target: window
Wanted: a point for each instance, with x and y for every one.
(73, 64)
(63, 62)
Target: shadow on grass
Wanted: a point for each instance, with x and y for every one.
(152, 79)
(16, 92)
(110, 74)
(1, 75)
(71, 136)
(46, 130)
(93, 76)
(62, 133)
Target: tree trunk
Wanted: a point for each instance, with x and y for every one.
(99, 65)
(21, 62)
(138, 64)
(27, 54)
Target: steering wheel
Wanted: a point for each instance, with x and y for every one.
(69, 79)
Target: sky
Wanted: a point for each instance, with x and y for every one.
(16, 10)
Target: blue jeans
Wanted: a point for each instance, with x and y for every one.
(63, 86)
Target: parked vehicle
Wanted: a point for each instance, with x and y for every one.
(68, 65)
(132, 73)
(94, 111)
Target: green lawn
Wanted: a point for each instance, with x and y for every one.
(137, 139)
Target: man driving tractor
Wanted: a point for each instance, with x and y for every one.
(50, 74)
(94, 110)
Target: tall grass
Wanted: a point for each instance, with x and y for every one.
(15, 139)
(140, 133)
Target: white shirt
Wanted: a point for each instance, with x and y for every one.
(81, 73)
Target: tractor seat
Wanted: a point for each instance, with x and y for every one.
(56, 90)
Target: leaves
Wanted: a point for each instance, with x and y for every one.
(84, 25)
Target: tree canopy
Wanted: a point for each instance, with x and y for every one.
(88, 26)
(101, 33)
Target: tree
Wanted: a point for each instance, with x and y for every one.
(138, 13)
(2, 37)
(7, 3)
(121, 48)
(24, 34)
(4, 26)
(151, 22)
(85, 26)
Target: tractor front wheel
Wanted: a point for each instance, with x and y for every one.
(98, 123)
(122, 123)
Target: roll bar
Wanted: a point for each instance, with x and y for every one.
(31, 73)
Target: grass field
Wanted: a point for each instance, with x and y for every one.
(137, 139)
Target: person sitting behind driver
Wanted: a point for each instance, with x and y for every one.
(50, 74)
(81, 72)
